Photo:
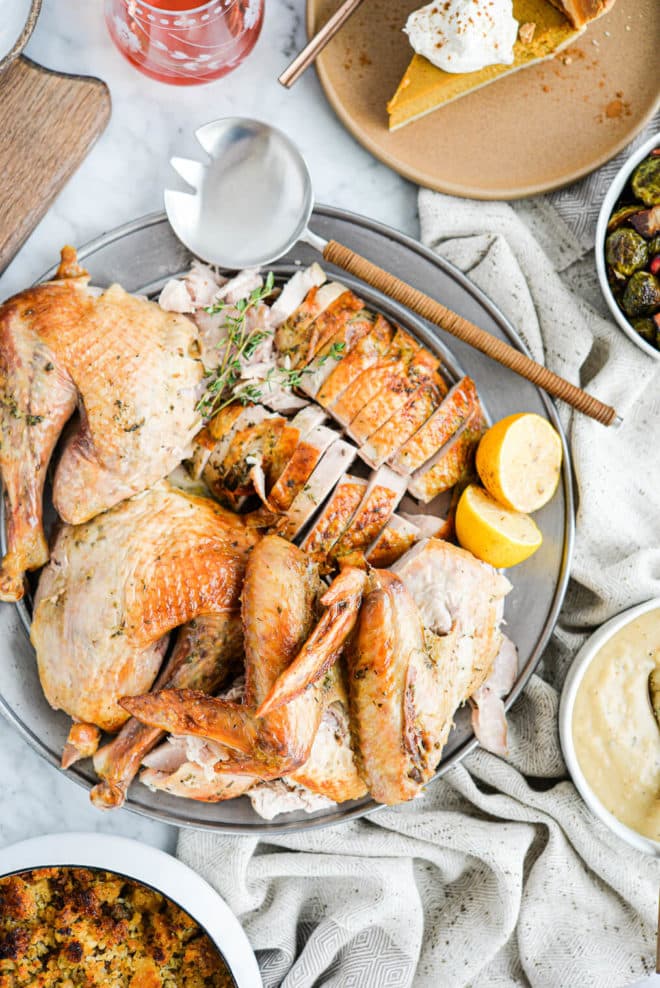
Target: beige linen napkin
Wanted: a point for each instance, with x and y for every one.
(499, 876)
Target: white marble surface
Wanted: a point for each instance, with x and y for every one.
(122, 179)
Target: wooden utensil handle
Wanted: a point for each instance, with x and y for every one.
(465, 330)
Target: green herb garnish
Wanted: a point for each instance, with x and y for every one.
(240, 343)
(224, 382)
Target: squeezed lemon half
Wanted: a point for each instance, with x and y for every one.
(492, 532)
(519, 461)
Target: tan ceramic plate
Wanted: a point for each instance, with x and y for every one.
(531, 132)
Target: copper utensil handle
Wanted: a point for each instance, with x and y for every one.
(493, 347)
(309, 53)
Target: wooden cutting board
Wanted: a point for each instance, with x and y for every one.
(48, 123)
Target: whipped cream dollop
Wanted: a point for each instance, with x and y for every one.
(464, 35)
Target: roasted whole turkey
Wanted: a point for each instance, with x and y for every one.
(252, 583)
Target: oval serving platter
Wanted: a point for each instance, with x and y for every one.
(142, 256)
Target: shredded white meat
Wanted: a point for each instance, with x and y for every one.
(488, 714)
(196, 290)
(269, 799)
(175, 297)
(240, 286)
(203, 284)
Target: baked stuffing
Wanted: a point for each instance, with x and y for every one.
(79, 928)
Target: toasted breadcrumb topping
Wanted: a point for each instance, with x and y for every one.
(82, 928)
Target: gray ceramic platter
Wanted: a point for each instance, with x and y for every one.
(141, 256)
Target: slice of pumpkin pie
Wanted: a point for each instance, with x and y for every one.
(462, 45)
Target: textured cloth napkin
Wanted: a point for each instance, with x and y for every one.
(499, 876)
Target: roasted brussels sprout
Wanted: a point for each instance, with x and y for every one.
(626, 251)
(646, 181)
(632, 250)
(646, 328)
(621, 216)
(642, 295)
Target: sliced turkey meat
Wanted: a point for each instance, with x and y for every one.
(240, 286)
(335, 517)
(396, 538)
(384, 491)
(368, 350)
(333, 351)
(297, 429)
(385, 441)
(203, 282)
(227, 424)
(335, 461)
(190, 780)
(214, 323)
(330, 770)
(292, 336)
(271, 799)
(368, 384)
(438, 429)
(276, 397)
(214, 432)
(187, 766)
(250, 449)
(300, 467)
(451, 464)
(175, 297)
(328, 325)
(429, 526)
(295, 291)
(196, 290)
(398, 387)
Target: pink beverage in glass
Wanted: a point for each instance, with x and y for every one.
(182, 41)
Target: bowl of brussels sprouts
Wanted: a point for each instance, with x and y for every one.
(628, 247)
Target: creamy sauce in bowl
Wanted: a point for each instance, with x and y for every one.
(615, 733)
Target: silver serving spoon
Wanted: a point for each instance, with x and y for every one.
(252, 202)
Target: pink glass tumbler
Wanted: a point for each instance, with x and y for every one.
(184, 42)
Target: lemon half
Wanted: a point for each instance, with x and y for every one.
(492, 532)
(519, 461)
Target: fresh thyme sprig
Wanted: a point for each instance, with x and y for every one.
(239, 343)
(334, 353)
(224, 382)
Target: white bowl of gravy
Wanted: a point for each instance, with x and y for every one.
(609, 735)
